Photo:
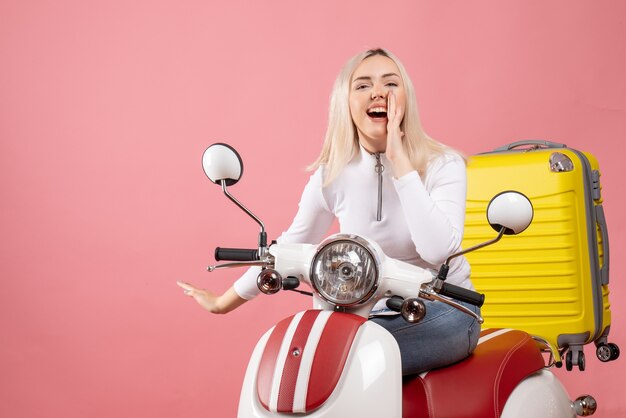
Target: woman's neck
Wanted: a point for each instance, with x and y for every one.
(371, 147)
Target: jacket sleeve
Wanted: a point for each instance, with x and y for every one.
(309, 226)
(434, 209)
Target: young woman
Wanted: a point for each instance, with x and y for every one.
(382, 177)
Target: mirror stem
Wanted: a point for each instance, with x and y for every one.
(479, 246)
(262, 234)
(443, 271)
(242, 207)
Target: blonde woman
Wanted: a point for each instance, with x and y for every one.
(382, 177)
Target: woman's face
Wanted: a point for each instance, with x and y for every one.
(371, 83)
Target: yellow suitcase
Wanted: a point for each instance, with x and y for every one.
(552, 280)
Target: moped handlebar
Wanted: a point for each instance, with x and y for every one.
(236, 254)
(462, 294)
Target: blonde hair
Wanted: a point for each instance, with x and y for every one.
(341, 142)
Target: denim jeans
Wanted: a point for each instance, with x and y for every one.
(445, 336)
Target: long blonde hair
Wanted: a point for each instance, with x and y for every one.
(341, 142)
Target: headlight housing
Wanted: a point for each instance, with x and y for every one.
(345, 270)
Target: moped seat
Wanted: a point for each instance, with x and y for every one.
(477, 386)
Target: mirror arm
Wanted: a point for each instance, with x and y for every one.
(478, 247)
(242, 207)
(262, 234)
(443, 271)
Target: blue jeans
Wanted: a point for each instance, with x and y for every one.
(445, 336)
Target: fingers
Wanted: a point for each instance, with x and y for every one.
(391, 106)
(188, 289)
(394, 113)
(394, 149)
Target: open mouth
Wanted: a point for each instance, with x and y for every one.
(377, 113)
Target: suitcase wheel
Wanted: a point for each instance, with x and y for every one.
(580, 361)
(607, 352)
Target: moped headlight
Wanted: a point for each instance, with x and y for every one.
(345, 270)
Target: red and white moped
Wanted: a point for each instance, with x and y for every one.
(331, 361)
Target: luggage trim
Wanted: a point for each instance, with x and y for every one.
(592, 241)
(604, 271)
(536, 143)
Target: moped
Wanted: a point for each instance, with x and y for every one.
(330, 361)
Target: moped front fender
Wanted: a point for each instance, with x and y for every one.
(370, 383)
(539, 395)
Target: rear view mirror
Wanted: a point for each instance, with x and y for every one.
(510, 210)
(222, 163)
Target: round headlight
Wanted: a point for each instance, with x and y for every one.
(345, 270)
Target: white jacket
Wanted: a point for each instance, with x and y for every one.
(421, 223)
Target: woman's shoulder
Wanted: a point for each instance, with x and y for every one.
(318, 175)
(447, 157)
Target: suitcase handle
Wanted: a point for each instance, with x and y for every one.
(536, 142)
(601, 219)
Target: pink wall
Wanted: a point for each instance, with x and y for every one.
(106, 107)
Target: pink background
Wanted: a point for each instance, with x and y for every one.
(106, 107)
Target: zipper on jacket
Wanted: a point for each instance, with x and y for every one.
(379, 168)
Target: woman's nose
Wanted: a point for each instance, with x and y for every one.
(379, 92)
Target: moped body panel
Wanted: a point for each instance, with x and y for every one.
(539, 395)
(371, 373)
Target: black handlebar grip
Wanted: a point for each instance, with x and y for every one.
(395, 303)
(236, 254)
(290, 283)
(462, 294)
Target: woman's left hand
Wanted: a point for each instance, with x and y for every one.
(395, 151)
(222, 304)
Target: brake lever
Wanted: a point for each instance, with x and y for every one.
(427, 292)
(260, 263)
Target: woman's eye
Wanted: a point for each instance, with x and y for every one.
(361, 87)
(392, 84)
